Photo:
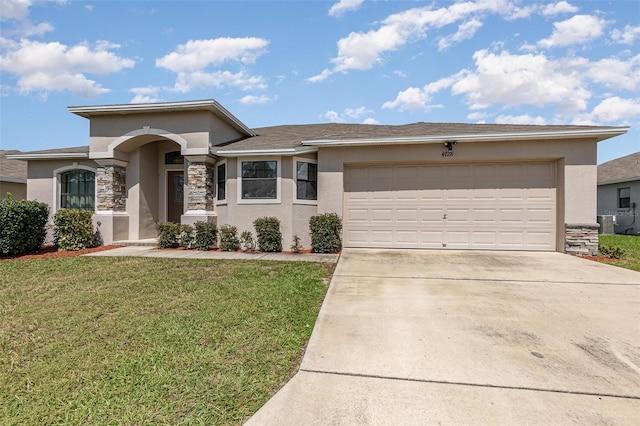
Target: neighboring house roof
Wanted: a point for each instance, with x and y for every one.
(621, 169)
(12, 170)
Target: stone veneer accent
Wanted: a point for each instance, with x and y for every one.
(111, 188)
(200, 186)
(581, 239)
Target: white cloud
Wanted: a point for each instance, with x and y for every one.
(362, 51)
(185, 82)
(615, 109)
(465, 31)
(628, 35)
(370, 121)
(344, 6)
(523, 80)
(196, 55)
(558, 8)
(416, 99)
(333, 117)
(54, 66)
(357, 112)
(477, 116)
(520, 119)
(191, 62)
(615, 73)
(145, 95)
(579, 29)
(14, 9)
(252, 99)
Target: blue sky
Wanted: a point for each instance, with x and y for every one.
(295, 62)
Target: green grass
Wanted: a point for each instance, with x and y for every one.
(150, 341)
(631, 246)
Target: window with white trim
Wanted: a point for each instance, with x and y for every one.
(624, 198)
(221, 181)
(306, 175)
(77, 189)
(259, 180)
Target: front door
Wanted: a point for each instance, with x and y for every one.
(175, 196)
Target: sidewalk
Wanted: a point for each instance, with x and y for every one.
(146, 251)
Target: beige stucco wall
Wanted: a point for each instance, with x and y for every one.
(294, 218)
(196, 131)
(575, 160)
(17, 190)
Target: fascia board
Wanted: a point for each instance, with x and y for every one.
(51, 156)
(601, 133)
(263, 152)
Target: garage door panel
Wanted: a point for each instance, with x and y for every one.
(468, 206)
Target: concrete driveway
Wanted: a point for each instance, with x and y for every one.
(467, 337)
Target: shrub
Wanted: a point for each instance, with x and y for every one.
(229, 238)
(186, 236)
(206, 235)
(23, 225)
(247, 241)
(326, 230)
(297, 246)
(168, 234)
(611, 252)
(268, 234)
(73, 229)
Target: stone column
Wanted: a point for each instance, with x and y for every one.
(581, 239)
(200, 189)
(111, 216)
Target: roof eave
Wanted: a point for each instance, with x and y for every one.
(600, 134)
(264, 152)
(50, 156)
(622, 180)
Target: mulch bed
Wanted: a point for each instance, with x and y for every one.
(50, 252)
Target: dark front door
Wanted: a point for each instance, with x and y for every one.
(175, 196)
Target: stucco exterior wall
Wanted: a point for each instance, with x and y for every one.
(198, 130)
(575, 160)
(294, 218)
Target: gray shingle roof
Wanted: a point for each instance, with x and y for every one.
(291, 136)
(12, 169)
(621, 169)
(71, 150)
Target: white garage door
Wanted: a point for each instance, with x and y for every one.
(496, 206)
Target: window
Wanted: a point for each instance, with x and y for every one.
(77, 190)
(624, 198)
(174, 157)
(259, 180)
(306, 181)
(221, 180)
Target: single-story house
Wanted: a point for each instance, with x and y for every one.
(13, 176)
(619, 192)
(420, 185)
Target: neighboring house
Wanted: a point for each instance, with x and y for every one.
(619, 192)
(420, 185)
(13, 176)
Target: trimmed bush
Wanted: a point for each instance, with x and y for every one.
(268, 234)
(73, 229)
(23, 225)
(206, 235)
(326, 230)
(187, 236)
(229, 238)
(168, 234)
(247, 241)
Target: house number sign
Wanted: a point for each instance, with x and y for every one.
(449, 145)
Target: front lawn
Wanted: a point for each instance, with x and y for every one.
(150, 341)
(630, 244)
